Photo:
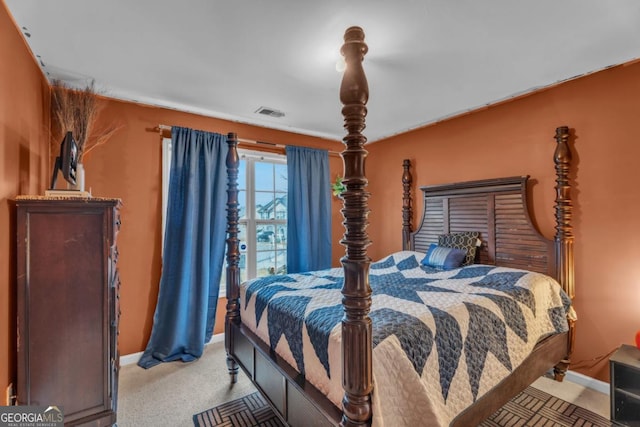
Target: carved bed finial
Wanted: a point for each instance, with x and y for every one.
(233, 252)
(357, 344)
(354, 89)
(407, 208)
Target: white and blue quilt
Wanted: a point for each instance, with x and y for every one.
(441, 338)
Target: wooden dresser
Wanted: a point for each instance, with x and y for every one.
(67, 292)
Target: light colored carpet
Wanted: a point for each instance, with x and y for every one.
(249, 411)
(168, 395)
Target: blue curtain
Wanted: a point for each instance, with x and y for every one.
(194, 245)
(308, 210)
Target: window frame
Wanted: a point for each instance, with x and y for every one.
(249, 220)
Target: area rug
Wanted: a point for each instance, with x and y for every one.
(248, 411)
(532, 407)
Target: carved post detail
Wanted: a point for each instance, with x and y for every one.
(357, 345)
(563, 207)
(233, 254)
(407, 208)
(564, 232)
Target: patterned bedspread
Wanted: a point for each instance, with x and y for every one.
(441, 338)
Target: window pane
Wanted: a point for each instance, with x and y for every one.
(281, 177)
(281, 262)
(270, 205)
(264, 205)
(281, 237)
(265, 263)
(265, 236)
(242, 204)
(242, 235)
(271, 262)
(264, 176)
(242, 175)
(280, 206)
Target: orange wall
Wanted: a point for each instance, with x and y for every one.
(129, 167)
(516, 138)
(24, 153)
(509, 139)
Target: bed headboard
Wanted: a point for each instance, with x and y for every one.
(497, 208)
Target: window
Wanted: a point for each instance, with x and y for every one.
(262, 197)
(262, 185)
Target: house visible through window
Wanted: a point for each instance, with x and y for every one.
(262, 198)
(262, 185)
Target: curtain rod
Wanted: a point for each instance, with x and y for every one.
(163, 129)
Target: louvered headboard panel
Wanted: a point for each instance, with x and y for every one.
(518, 244)
(497, 209)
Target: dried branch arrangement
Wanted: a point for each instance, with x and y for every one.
(77, 110)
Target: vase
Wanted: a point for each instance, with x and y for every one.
(79, 185)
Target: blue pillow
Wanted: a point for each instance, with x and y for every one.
(444, 258)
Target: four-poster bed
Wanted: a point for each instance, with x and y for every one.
(495, 209)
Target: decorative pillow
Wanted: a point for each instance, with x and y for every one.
(465, 240)
(444, 258)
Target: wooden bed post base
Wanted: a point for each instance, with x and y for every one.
(233, 254)
(232, 366)
(354, 408)
(560, 370)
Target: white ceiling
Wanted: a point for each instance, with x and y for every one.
(427, 60)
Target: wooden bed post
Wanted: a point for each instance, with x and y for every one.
(564, 233)
(407, 208)
(357, 344)
(233, 253)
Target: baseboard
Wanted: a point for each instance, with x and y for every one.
(130, 359)
(216, 338)
(588, 382)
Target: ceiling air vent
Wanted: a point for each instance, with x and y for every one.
(272, 112)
